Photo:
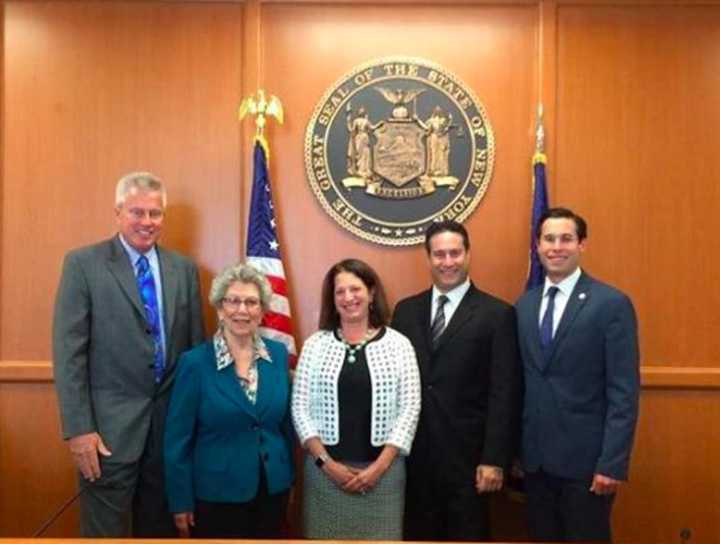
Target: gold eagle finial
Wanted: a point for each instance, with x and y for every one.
(261, 107)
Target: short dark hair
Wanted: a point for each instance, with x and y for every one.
(563, 213)
(379, 311)
(447, 225)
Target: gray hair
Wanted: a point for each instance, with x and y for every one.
(139, 181)
(244, 273)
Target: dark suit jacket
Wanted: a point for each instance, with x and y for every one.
(470, 386)
(103, 349)
(215, 439)
(581, 404)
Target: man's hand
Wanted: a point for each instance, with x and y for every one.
(604, 485)
(84, 449)
(488, 478)
(183, 522)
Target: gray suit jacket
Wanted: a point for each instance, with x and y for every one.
(103, 349)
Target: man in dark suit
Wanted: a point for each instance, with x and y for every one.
(466, 347)
(125, 310)
(579, 346)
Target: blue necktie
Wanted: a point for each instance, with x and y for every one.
(546, 325)
(148, 294)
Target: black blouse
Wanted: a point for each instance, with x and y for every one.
(355, 405)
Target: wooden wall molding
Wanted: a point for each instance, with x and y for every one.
(676, 377)
(26, 372)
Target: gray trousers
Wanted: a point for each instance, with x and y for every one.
(128, 500)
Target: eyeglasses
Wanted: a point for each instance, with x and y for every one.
(232, 304)
(139, 214)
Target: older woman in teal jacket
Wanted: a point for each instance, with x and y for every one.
(228, 441)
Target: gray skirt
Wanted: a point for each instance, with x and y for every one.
(331, 513)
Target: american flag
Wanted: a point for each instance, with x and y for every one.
(263, 252)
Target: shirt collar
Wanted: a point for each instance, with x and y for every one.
(223, 358)
(454, 295)
(134, 254)
(566, 285)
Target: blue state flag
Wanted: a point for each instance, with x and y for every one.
(536, 274)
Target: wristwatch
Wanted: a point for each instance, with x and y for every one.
(321, 459)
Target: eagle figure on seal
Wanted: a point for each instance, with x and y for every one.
(400, 98)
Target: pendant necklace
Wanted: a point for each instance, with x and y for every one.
(352, 350)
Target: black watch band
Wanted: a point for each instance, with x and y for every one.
(321, 459)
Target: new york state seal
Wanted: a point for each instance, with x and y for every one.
(395, 144)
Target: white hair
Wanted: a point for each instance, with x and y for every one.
(139, 182)
(243, 273)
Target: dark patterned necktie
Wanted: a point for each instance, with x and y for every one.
(546, 325)
(438, 324)
(148, 294)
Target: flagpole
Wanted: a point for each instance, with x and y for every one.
(539, 202)
(262, 249)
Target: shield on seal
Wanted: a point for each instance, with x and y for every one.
(399, 151)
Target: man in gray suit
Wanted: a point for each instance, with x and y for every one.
(125, 310)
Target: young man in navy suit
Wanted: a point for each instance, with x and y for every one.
(579, 346)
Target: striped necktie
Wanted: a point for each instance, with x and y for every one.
(438, 324)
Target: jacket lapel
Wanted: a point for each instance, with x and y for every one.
(577, 301)
(463, 312)
(532, 325)
(423, 316)
(169, 278)
(227, 384)
(266, 392)
(120, 267)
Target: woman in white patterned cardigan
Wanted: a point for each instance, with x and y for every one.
(355, 406)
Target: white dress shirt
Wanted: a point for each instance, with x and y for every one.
(454, 295)
(565, 289)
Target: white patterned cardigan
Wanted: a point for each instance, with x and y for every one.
(395, 384)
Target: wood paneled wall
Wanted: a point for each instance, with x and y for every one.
(94, 89)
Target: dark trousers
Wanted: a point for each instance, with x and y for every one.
(129, 498)
(260, 518)
(564, 510)
(444, 512)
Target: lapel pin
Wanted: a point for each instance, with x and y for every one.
(582, 296)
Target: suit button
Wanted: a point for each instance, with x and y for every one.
(429, 387)
(148, 330)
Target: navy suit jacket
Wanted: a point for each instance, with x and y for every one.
(215, 439)
(581, 403)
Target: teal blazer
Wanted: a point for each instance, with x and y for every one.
(216, 440)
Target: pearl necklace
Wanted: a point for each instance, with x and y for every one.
(352, 350)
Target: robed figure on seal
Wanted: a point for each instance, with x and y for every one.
(359, 162)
